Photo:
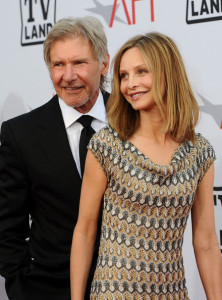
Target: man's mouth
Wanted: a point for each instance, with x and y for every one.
(72, 87)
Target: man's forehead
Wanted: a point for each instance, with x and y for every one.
(76, 39)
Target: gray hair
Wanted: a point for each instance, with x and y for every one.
(88, 27)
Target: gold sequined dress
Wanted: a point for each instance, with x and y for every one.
(145, 212)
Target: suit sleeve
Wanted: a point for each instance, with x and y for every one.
(14, 210)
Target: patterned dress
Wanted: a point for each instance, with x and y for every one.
(145, 212)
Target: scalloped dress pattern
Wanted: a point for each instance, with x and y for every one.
(145, 212)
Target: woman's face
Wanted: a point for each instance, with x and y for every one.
(136, 80)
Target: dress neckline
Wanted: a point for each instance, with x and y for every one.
(146, 163)
(177, 150)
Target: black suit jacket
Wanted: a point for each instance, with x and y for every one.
(38, 178)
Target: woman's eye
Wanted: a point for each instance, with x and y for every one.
(122, 75)
(141, 71)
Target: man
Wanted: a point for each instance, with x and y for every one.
(40, 171)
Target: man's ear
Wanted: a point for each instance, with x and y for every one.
(105, 65)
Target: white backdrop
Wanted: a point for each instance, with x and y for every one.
(196, 26)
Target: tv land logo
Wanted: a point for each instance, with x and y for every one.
(203, 11)
(109, 11)
(218, 203)
(215, 110)
(37, 17)
(221, 241)
(218, 196)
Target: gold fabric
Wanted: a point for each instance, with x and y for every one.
(145, 212)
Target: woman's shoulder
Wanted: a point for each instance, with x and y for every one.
(105, 133)
(105, 141)
(202, 141)
(203, 145)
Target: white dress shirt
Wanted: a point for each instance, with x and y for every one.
(73, 128)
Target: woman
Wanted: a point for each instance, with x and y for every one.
(148, 170)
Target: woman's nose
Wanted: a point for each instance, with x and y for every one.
(132, 81)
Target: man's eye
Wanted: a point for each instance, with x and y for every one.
(80, 62)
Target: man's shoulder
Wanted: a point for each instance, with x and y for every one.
(33, 114)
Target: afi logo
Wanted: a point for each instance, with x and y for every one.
(37, 16)
(133, 12)
(109, 11)
(203, 11)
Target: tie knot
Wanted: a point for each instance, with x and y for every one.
(85, 120)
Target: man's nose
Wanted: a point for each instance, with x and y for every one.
(69, 73)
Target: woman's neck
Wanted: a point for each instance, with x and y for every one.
(152, 128)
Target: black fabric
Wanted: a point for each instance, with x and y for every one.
(85, 137)
(38, 178)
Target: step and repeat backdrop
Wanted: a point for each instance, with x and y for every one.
(196, 27)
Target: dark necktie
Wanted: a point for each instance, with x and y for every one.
(85, 136)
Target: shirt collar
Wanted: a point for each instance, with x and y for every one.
(70, 115)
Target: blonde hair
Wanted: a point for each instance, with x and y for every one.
(178, 106)
(87, 27)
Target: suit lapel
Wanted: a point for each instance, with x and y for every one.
(51, 133)
(105, 97)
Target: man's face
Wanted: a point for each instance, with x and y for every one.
(76, 73)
